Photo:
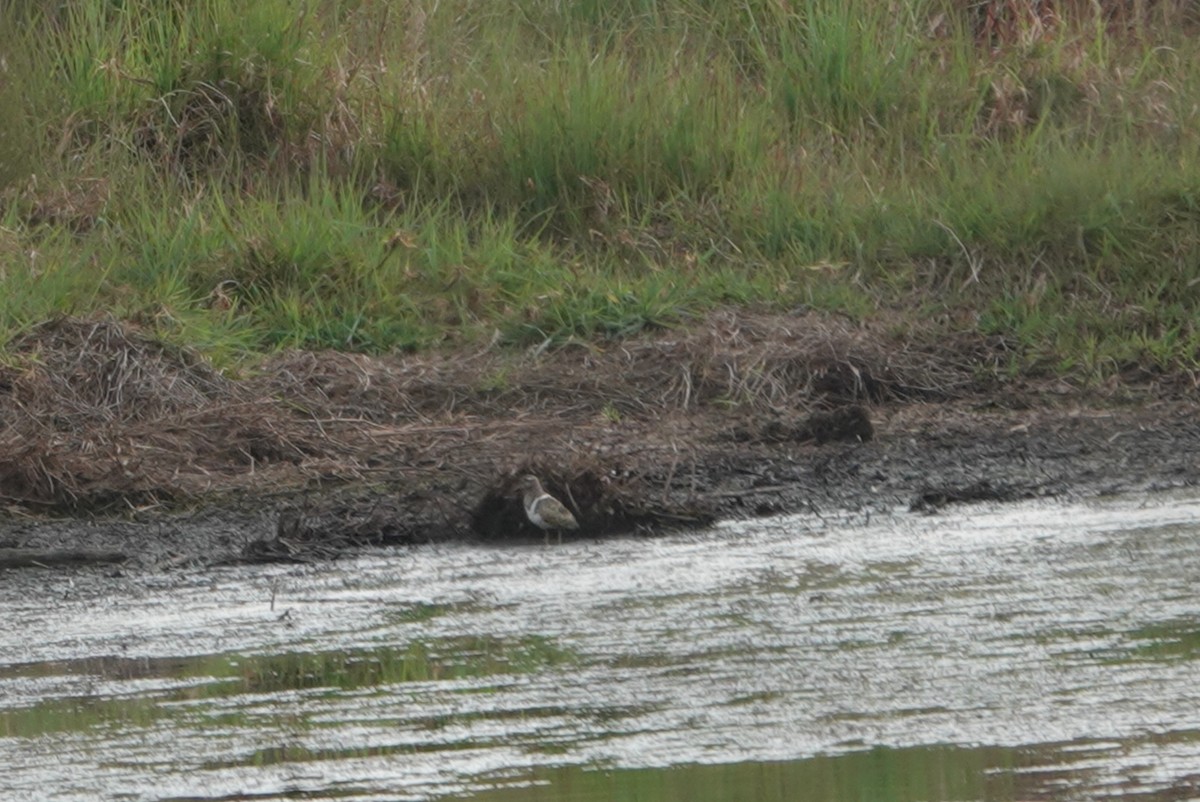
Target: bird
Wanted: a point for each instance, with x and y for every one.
(544, 510)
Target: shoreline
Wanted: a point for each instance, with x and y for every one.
(921, 459)
(119, 444)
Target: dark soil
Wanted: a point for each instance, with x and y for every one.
(114, 444)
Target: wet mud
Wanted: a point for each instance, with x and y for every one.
(923, 459)
(114, 444)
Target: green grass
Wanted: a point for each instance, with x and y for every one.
(377, 176)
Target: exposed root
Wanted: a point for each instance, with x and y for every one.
(603, 501)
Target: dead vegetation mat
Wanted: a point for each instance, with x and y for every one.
(97, 416)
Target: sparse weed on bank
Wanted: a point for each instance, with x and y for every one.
(372, 176)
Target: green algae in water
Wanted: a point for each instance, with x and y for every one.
(230, 675)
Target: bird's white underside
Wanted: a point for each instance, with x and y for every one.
(547, 512)
(534, 515)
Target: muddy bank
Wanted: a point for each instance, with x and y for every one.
(113, 442)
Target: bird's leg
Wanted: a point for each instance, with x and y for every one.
(546, 536)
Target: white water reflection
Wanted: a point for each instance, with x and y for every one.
(1046, 623)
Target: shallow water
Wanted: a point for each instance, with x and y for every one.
(1048, 650)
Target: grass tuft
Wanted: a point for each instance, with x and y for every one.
(372, 176)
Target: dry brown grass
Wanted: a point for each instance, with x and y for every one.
(760, 362)
(95, 413)
(1005, 23)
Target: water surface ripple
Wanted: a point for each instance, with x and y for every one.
(1042, 650)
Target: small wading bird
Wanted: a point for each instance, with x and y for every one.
(544, 510)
